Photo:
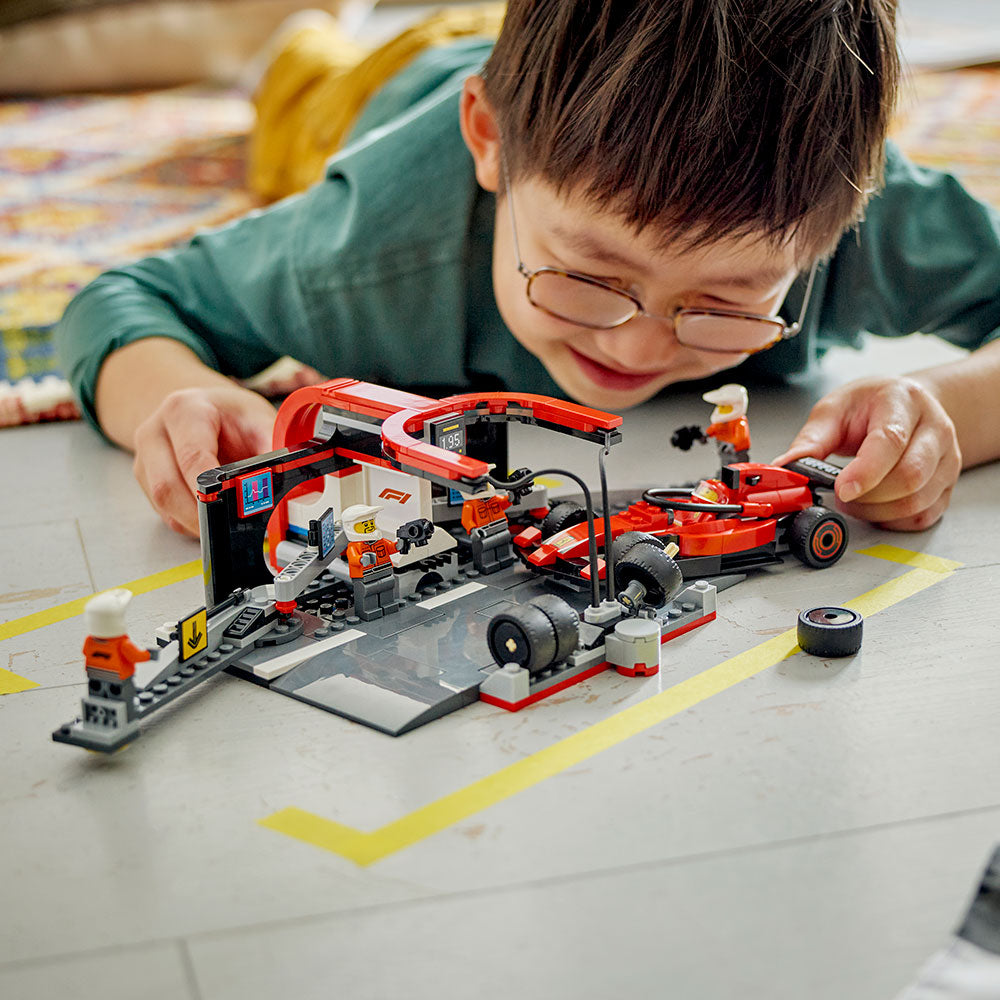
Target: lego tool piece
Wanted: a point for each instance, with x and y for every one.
(830, 631)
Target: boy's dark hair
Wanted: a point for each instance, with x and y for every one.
(703, 118)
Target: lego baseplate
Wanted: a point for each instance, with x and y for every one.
(430, 658)
(394, 673)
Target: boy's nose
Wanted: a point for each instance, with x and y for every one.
(642, 344)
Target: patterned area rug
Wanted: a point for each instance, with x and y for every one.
(87, 183)
(90, 182)
(951, 121)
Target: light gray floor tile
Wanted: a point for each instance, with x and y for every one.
(850, 916)
(152, 972)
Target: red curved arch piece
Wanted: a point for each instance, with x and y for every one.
(297, 417)
(402, 415)
(403, 449)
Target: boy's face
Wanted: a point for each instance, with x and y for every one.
(622, 367)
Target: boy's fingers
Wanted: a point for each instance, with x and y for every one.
(819, 437)
(893, 518)
(245, 430)
(925, 519)
(161, 481)
(920, 463)
(909, 505)
(257, 436)
(890, 427)
(195, 444)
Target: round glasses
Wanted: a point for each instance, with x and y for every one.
(596, 305)
(589, 302)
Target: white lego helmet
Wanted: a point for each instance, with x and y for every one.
(730, 402)
(105, 613)
(359, 523)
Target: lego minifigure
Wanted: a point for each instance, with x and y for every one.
(369, 560)
(485, 522)
(109, 654)
(729, 425)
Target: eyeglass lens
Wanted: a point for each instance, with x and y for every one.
(603, 308)
(730, 334)
(579, 301)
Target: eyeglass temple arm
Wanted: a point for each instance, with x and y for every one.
(790, 331)
(510, 209)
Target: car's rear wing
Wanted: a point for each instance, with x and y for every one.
(820, 474)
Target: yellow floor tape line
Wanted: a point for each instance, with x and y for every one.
(63, 611)
(364, 848)
(11, 683)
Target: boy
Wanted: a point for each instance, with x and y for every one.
(656, 182)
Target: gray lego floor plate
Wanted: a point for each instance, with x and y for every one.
(419, 664)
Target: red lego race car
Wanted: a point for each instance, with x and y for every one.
(748, 517)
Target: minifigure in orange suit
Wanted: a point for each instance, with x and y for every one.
(109, 654)
(729, 425)
(369, 560)
(485, 522)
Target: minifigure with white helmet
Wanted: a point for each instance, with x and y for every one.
(109, 654)
(369, 561)
(729, 425)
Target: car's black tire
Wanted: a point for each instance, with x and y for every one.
(830, 631)
(565, 623)
(653, 568)
(818, 537)
(561, 516)
(525, 636)
(625, 541)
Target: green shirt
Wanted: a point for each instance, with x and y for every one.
(382, 270)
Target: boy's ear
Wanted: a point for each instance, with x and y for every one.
(480, 132)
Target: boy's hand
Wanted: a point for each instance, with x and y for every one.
(193, 430)
(907, 453)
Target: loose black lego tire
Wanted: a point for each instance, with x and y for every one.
(830, 631)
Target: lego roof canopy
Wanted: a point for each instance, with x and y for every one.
(399, 416)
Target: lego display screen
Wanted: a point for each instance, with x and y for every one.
(255, 493)
(327, 525)
(452, 437)
(448, 432)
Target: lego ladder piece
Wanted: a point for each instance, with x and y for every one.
(115, 730)
(107, 724)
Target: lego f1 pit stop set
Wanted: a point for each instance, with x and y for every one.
(374, 565)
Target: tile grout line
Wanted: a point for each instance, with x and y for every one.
(187, 963)
(497, 890)
(86, 558)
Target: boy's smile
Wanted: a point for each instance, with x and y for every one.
(612, 378)
(621, 367)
